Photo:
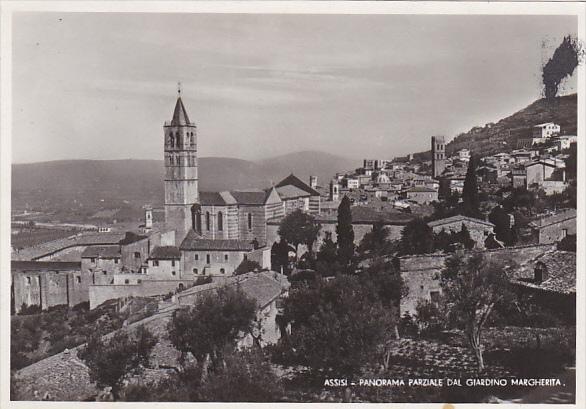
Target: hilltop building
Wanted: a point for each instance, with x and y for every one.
(438, 156)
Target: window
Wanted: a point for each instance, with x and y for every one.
(225, 257)
(136, 254)
(220, 221)
(222, 271)
(93, 260)
(208, 259)
(78, 279)
(116, 260)
(28, 281)
(208, 221)
(564, 233)
(172, 273)
(196, 257)
(249, 221)
(104, 272)
(155, 263)
(195, 271)
(138, 281)
(126, 281)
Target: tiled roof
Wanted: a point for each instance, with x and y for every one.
(194, 242)
(131, 237)
(180, 114)
(368, 215)
(101, 252)
(165, 253)
(261, 288)
(458, 218)
(561, 272)
(298, 183)
(553, 219)
(80, 239)
(422, 189)
(44, 265)
(291, 192)
(216, 198)
(249, 197)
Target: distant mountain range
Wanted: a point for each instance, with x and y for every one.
(506, 134)
(136, 181)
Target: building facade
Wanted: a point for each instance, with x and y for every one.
(438, 156)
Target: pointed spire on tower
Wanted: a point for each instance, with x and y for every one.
(179, 114)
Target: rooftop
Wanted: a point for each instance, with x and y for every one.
(44, 265)
(422, 189)
(456, 219)
(101, 252)
(298, 183)
(561, 272)
(291, 192)
(561, 216)
(165, 253)
(250, 197)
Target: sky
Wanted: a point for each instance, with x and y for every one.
(101, 85)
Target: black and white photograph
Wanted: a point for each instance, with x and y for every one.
(292, 202)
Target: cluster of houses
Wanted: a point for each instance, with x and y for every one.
(539, 163)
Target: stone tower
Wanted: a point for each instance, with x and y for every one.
(438, 156)
(181, 187)
(334, 190)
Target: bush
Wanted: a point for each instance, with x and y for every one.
(30, 309)
(408, 326)
(430, 319)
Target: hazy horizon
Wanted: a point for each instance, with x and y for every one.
(100, 85)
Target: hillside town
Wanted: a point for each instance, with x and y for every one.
(393, 231)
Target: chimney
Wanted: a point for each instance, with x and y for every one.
(541, 273)
(313, 182)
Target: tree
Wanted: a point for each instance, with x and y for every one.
(568, 243)
(337, 326)
(111, 361)
(345, 232)
(472, 287)
(375, 242)
(463, 237)
(246, 266)
(502, 226)
(416, 238)
(299, 228)
(280, 256)
(212, 325)
(327, 263)
(470, 198)
(246, 377)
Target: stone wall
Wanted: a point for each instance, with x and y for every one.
(218, 260)
(421, 272)
(147, 288)
(48, 288)
(554, 232)
(258, 230)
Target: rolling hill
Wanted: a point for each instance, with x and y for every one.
(79, 188)
(504, 135)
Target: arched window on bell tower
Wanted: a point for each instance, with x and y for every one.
(208, 221)
(171, 140)
(220, 221)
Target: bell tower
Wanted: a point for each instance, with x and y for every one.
(181, 180)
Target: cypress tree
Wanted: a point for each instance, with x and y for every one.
(345, 232)
(471, 201)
